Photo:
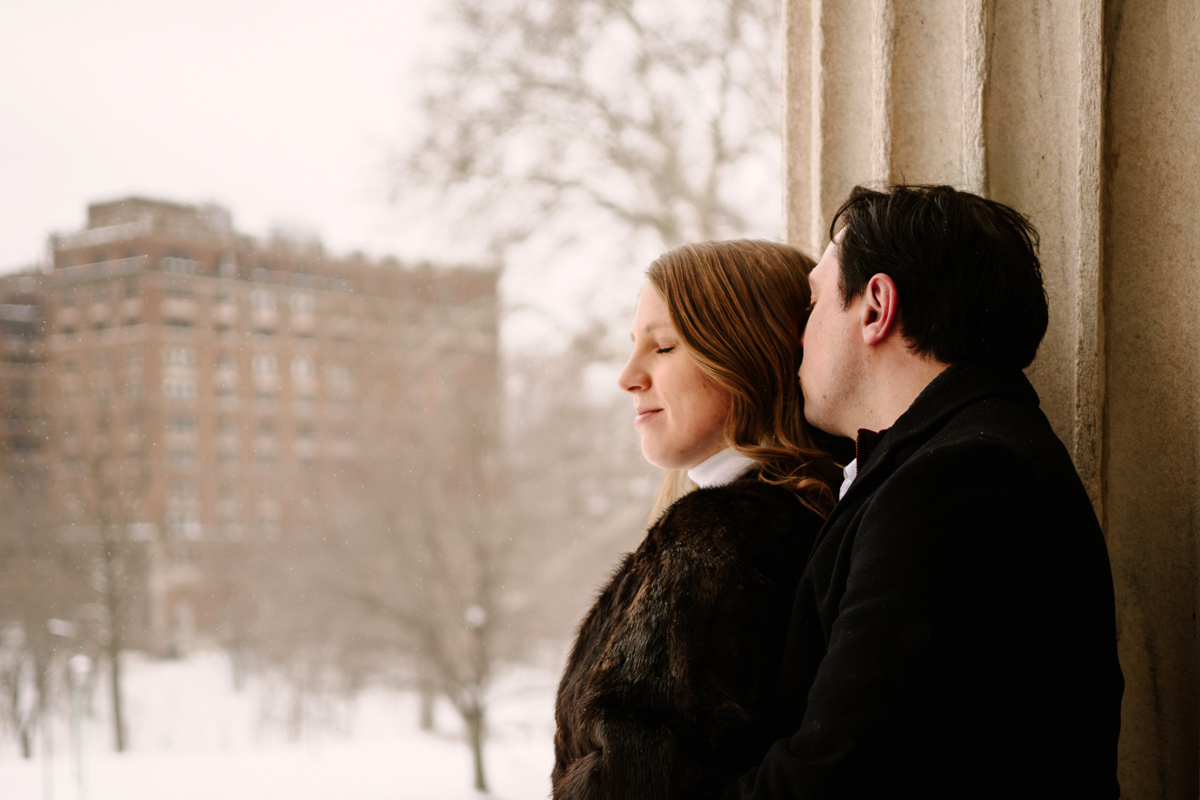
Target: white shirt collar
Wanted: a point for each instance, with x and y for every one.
(720, 468)
(849, 473)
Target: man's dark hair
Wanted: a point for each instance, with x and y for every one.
(966, 270)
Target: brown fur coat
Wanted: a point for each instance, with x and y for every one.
(671, 687)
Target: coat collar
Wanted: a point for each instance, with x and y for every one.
(958, 386)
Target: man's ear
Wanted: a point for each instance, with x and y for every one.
(881, 309)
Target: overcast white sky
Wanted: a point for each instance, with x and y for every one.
(286, 112)
(282, 111)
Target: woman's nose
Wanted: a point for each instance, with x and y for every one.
(632, 377)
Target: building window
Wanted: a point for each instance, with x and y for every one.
(227, 507)
(179, 356)
(262, 300)
(339, 376)
(181, 423)
(302, 303)
(264, 442)
(303, 368)
(263, 364)
(178, 263)
(183, 523)
(179, 388)
(181, 494)
(133, 433)
(183, 459)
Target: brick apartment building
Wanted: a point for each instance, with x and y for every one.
(204, 393)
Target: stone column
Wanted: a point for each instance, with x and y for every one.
(1085, 115)
(1151, 442)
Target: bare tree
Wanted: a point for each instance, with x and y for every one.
(39, 578)
(577, 482)
(301, 632)
(102, 479)
(475, 538)
(662, 117)
(555, 121)
(444, 545)
(395, 558)
(39, 586)
(439, 556)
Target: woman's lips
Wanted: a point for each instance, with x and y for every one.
(642, 416)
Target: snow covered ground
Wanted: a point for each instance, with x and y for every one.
(192, 737)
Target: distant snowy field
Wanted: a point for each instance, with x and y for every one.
(192, 737)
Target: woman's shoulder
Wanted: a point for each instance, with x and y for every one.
(745, 500)
(747, 515)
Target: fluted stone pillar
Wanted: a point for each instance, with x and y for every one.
(1085, 115)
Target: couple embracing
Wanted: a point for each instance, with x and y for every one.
(934, 619)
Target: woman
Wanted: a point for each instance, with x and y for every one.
(669, 688)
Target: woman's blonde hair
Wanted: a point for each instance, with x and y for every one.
(739, 307)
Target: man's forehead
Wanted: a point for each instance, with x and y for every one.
(828, 261)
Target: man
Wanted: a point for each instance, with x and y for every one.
(953, 634)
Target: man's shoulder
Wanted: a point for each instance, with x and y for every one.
(973, 413)
(973, 495)
(998, 427)
(982, 448)
(996, 435)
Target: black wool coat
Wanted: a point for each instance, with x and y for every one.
(954, 633)
(671, 687)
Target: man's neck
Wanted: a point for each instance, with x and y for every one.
(894, 389)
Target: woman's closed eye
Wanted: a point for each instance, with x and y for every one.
(664, 349)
